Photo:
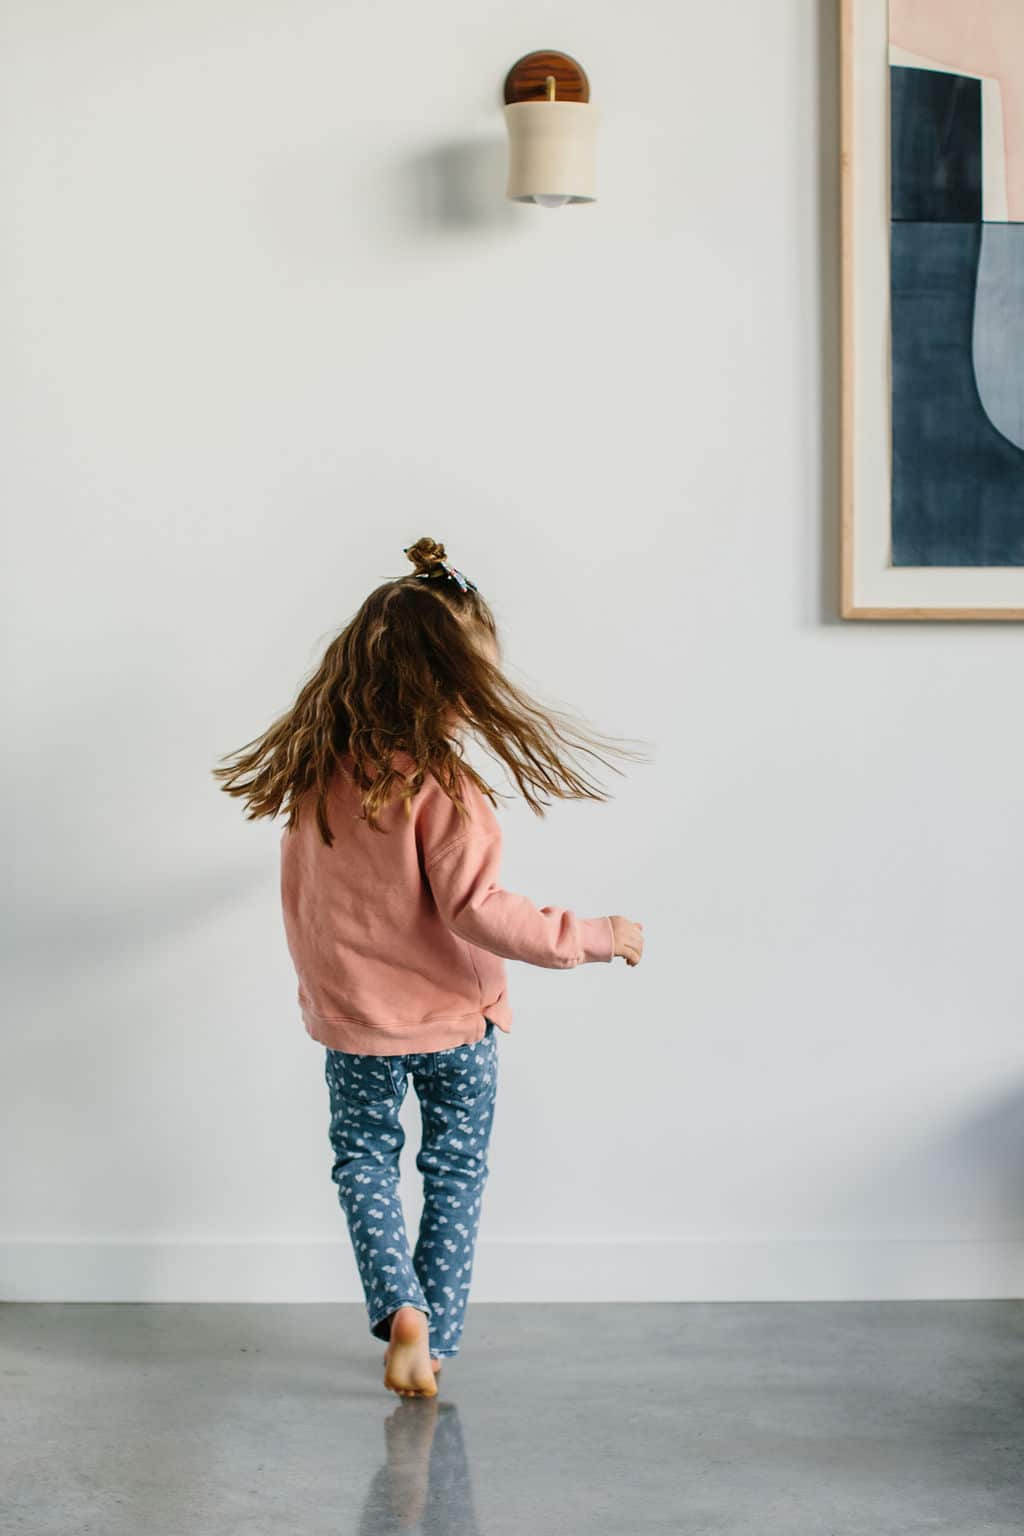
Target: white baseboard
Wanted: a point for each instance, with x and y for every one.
(635, 1271)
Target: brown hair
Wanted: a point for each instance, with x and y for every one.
(389, 681)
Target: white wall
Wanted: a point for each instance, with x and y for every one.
(267, 319)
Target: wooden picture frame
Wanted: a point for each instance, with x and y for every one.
(873, 584)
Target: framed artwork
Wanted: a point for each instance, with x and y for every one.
(933, 309)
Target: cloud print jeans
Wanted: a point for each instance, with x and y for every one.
(456, 1089)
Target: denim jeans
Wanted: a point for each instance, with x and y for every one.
(456, 1089)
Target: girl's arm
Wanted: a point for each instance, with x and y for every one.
(463, 878)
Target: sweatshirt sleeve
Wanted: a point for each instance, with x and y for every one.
(462, 871)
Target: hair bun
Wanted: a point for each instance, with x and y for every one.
(426, 555)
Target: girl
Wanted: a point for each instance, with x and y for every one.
(398, 928)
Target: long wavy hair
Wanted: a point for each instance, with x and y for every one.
(419, 661)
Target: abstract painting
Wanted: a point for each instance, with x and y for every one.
(933, 308)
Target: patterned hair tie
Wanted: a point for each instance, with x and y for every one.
(450, 572)
(463, 581)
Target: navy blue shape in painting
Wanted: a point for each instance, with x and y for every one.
(936, 146)
(958, 482)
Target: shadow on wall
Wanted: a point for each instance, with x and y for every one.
(461, 186)
(114, 892)
(63, 936)
(111, 868)
(978, 1161)
(989, 1149)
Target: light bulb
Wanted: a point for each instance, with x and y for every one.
(550, 199)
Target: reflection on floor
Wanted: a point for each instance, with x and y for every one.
(702, 1420)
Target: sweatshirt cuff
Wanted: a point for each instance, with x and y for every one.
(598, 938)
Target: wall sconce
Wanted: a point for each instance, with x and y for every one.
(551, 128)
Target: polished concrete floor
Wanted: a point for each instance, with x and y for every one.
(867, 1419)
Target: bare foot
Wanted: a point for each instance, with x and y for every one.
(407, 1365)
(435, 1365)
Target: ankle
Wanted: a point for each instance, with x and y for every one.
(407, 1321)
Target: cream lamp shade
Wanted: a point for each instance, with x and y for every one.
(551, 152)
(551, 131)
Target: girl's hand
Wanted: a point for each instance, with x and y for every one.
(629, 939)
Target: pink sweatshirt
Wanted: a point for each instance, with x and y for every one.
(399, 937)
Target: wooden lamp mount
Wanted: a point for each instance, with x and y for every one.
(529, 79)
